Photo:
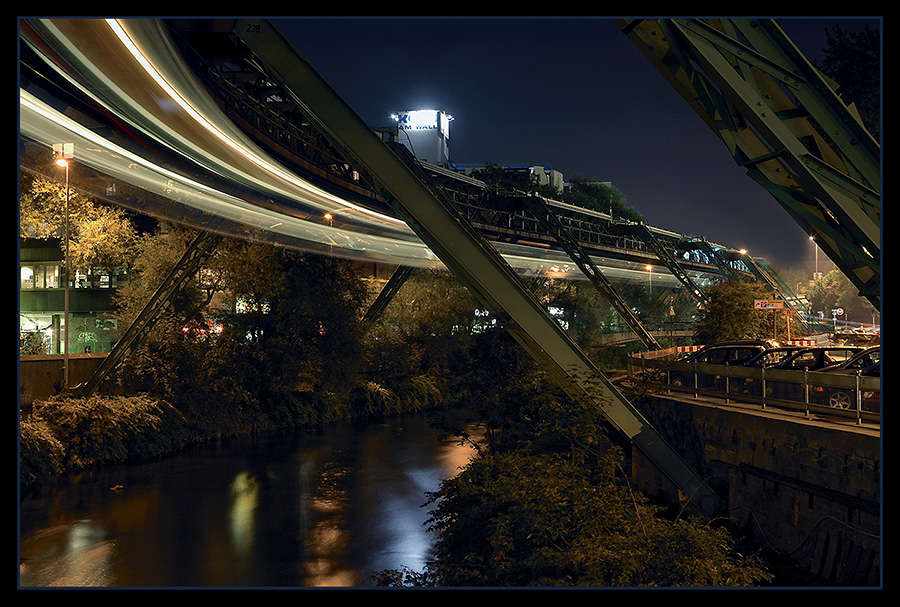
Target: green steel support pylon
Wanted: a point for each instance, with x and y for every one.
(387, 294)
(782, 120)
(551, 224)
(187, 267)
(467, 254)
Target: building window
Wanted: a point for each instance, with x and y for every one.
(40, 276)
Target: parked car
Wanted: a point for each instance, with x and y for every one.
(731, 352)
(815, 358)
(842, 398)
(862, 360)
(735, 352)
(809, 359)
(867, 364)
(772, 356)
(766, 358)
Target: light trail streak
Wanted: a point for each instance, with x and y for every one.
(256, 159)
(45, 125)
(352, 240)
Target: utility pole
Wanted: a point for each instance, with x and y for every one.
(62, 152)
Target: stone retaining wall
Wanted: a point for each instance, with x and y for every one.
(807, 489)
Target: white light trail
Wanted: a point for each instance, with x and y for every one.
(258, 161)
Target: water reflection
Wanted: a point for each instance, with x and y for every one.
(320, 509)
(244, 497)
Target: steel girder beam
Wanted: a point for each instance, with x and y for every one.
(465, 252)
(386, 294)
(662, 253)
(782, 120)
(712, 253)
(551, 224)
(187, 267)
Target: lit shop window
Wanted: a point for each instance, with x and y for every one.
(40, 276)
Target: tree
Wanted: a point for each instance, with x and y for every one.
(834, 290)
(501, 385)
(504, 180)
(730, 313)
(99, 236)
(262, 326)
(428, 320)
(556, 511)
(599, 196)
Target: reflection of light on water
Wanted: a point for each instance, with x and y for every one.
(455, 456)
(81, 535)
(244, 498)
(326, 504)
(77, 555)
(402, 521)
(398, 512)
(328, 538)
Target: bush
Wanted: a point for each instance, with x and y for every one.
(40, 453)
(66, 433)
(525, 519)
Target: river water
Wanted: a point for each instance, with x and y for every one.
(308, 509)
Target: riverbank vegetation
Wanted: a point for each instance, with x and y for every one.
(547, 501)
(266, 339)
(269, 339)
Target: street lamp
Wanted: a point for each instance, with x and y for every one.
(816, 248)
(330, 219)
(650, 274)
(62, 152)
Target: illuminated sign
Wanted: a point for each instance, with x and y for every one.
(424, 120)
(426, 133)
(418, 120)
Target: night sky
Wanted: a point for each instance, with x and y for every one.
(572, 93)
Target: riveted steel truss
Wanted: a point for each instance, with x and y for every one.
(551, 224)
(784, 122)
(199, 250)
(465, 252)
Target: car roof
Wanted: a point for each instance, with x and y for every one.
(851, 360)
(742, 342)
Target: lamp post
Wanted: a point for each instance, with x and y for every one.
(816, 249)
(62, 152)
(330, 218)
(650, 274)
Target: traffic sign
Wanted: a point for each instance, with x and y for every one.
(767, 304)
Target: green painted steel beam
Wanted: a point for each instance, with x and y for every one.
(782, 120)
(387, 293)
(465, 252)
(203, 245)
(551, 224)
(668, 260)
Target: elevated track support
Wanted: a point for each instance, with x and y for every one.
(551, 224)
(784, 121)
(199, 250)
(465, 252)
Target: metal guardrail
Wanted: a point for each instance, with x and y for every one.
(835, 394)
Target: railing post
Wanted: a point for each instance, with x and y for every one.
(806, 391)
(696, 387)
(727, 382)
